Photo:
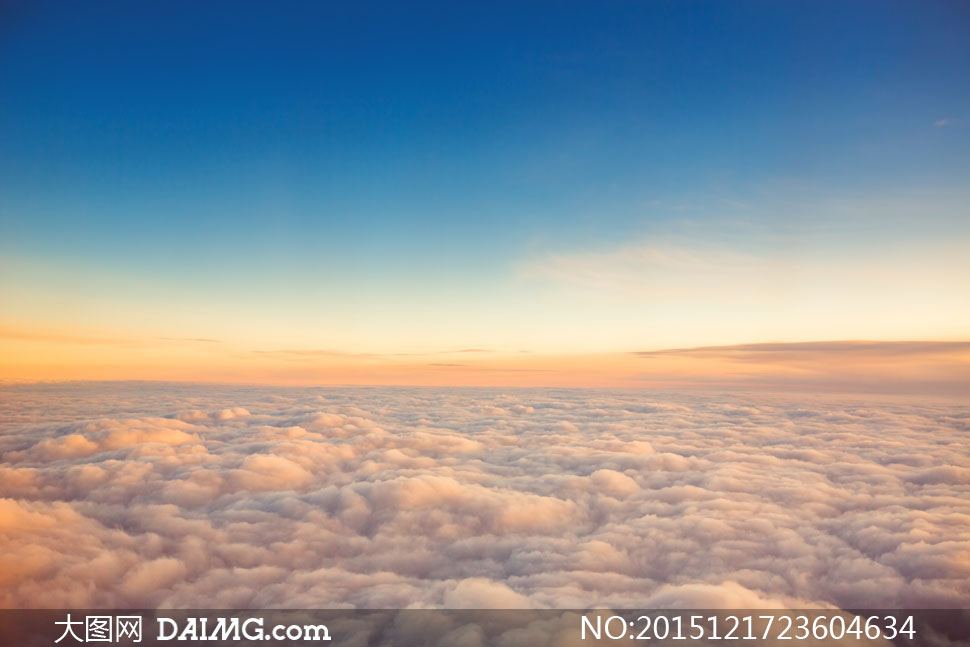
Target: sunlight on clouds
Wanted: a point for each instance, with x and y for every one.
(118, 495)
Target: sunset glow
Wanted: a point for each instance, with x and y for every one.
(288, 237)
(453, 323)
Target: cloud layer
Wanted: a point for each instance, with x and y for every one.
(159, 495)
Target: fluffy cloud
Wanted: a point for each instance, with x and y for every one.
(160, 495)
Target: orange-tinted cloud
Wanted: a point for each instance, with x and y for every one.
(919, 366)
(391, 497)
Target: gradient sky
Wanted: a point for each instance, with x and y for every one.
(280, 191)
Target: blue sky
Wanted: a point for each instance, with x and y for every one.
(352, 153)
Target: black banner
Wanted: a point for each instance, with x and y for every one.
(478, 628)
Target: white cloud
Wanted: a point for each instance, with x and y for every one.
(245, 497)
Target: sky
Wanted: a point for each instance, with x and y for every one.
(505, 193)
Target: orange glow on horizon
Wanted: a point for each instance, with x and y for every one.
(924, 367)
